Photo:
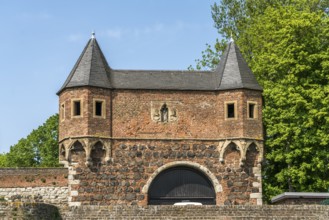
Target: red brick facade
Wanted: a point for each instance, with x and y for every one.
(112, 159)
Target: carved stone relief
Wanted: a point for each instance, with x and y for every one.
(164, 111)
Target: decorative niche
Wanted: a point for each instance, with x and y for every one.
(164, 111)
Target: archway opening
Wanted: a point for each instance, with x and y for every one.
(251, 158)
(97, 154)
(77, 154)
(62, 153)
(232, 156)
(181, 184)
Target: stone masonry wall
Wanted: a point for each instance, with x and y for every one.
(48, 185)
(280, 212)
(123, 180)
(52, 195)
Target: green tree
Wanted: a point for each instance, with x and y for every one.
(232, 18)
(3, 160)
(38, 149)
(45, 140)
(286, 45)
(290, 59)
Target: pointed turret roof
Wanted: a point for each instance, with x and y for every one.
(90, 69)
(234, 72)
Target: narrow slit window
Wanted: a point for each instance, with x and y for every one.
(62, 112)
(230, 110)
(76, 108)
(98, 108)
(252, 110)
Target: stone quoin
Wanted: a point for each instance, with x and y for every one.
(156, 137)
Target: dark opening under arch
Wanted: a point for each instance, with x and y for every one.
(180, 184)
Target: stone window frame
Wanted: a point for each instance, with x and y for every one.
(103, 115)
(73, 101)
(226, 103)
(255, 110)
(62, 111)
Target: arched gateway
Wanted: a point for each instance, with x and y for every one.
(179, 184)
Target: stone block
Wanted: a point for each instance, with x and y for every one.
(255, 195)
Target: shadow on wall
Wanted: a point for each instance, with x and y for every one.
(29, 211)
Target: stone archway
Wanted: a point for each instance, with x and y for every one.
(182, 177)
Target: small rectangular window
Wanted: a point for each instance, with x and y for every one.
(76, 108)
(62, 112)
(230, 110)
(98, 108)
(252, 110)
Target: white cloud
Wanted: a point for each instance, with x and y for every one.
(115, 33)
(179, 26)
(119, 33)
(75, 37)
(35, 16)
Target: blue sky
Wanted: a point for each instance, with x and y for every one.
(40, 42)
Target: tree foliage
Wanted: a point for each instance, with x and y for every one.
(286, 44)
(38, 149)
(3, 160)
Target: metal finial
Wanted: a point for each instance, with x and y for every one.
(92, 34)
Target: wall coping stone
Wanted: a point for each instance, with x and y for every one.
(300, 195)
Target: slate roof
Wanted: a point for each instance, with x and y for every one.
(92, 69)
(234, 71)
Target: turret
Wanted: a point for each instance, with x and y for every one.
(84, 105)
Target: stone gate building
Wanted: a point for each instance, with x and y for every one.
(160, 137)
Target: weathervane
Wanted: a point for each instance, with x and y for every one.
(92, 34)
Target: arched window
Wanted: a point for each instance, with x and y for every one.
(178, 184)
(164, 113)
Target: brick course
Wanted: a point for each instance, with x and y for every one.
(33, 177)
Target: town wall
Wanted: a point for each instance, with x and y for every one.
(48, 185)
(45, 211)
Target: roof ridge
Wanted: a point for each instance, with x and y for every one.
(234, 72)
(68, 79)
(92, 40)
(225, 60)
